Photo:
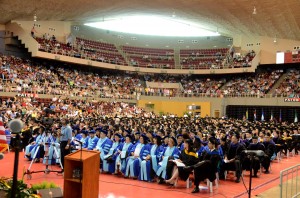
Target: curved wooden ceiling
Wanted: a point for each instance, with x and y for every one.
(274, 18)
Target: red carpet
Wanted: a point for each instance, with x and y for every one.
(117, 187)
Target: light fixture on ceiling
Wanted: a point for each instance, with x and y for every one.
(275, 40)
(155, 26)
(254, 10)
(34, 18)
(174, 14)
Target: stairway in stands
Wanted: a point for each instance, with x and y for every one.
(122, 53)
(177, 58)
(279, 81)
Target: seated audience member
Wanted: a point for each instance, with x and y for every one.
(138, 153)
(270, 148)
(187, 157)
(232, 159)
(103, 145)
(246, 164)
(170, 151)
(208, 164)
(85, 139)
(109, 159)
(92, 141)
(150, 163)
(31, 151)
(123, 154)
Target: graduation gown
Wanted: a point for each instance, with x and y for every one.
(121, 157)
(30, 150)
(104, 145)
(109, 166)
(164, 158)
(53, 157)
(133, 163)
(207, 167)
(150, 166)
(92, 143)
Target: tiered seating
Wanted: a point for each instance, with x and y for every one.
(202, 86)
(86, 49)
(202, 58)
(150, 57)
(290, 86)
(254, 85)
(243, 60)
(96, 45)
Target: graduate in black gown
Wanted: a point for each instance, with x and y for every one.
(208, 164)
(233, 157)
(188, 157)
(246, 164)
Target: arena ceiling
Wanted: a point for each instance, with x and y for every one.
(273, 18)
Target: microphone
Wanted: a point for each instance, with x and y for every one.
(1, 156)
(258, 153)
(16, 125)
(78, 141)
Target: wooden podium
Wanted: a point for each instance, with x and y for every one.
(88, 185)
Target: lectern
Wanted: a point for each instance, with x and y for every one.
(81, 174)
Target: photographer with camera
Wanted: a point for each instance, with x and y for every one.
(65, 139)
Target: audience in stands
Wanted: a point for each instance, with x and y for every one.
(290, 86)
(143, 57)
(29, 77)
(254, 85)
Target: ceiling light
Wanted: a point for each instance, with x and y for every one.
(174, 14)
(254, 10)
(155, 26)
(34, 18)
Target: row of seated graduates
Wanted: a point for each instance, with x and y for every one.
(273, 141)
(231, 144)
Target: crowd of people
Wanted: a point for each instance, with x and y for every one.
(80, 50)
(141, 145)
(243, 60)
(26, 76)
(142, 57)
(290, 87)
(206, 87)
(255, 85)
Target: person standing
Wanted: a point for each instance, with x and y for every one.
(65, 140)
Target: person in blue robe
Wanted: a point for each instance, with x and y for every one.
(31, 150)
(138, 153)
(170, 151)
(165, 141)
(150, 163)
(120, 162)
(84, 138)
(110, 158)
(92, 141)
(52, 157)
(103, 145)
